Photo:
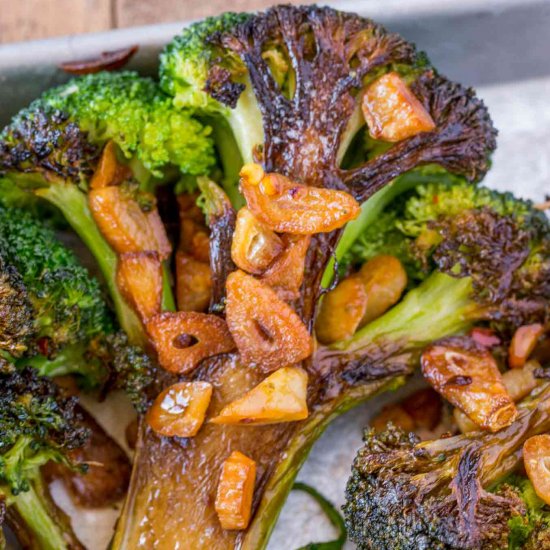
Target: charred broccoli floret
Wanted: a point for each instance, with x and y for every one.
(285, 81)
(53, 311)
(37, 425)
(289, 83)
(53, 316)
(440, 494)
(130, 369)
(487, 259)
(52, 149)
(530, 529)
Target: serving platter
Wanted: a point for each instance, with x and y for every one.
(501, 47)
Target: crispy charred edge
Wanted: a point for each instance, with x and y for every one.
(68, 432)
(221, 218)
(462, 142)
(45, 140)
(129, 369)
(493, 251)
(221, 88)
(388, 508)
(322, 44)
(221, 233)
(16, 312)
(337, 370)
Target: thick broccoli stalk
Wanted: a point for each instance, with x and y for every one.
(37, 425)
(52, 148)
(304, 68)
(436, 495)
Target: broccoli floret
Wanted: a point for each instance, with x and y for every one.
(405, 224)
(52, 148)
(16, 312)
(185, 68)
(66, 302)
(37, 425)
(53, 311)
(532, 528)
(186, 62)
(53, 316)
(287, 84)
(501, 242)
(130, 369)
(132, 111)
(407, 495)
(487, 263)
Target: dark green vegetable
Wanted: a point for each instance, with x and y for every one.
(54, 317)
(37, 425)
(285, 86)
(532, 528)
(51, 150)
(409, 495)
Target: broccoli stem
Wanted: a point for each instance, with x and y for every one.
(69, 360)
(41, 519)
(441, 306)
(370, 210)
(230, 158)
(74, 205)
(282, 480)
(373, 207)
(168, 303)
(246, 123)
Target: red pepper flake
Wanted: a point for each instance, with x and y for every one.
(106, 61)
(485, 337)
(43, 346)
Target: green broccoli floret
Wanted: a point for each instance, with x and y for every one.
(67, 303)
(53, 316)
(406, 224)
(529, 528)
(437, 495)
(37, 425)
(51, 150)
(186, 61)
(16, 312)
(130, 369)
(53, 311)
(487, 261)
(133, 112)
(185, 66)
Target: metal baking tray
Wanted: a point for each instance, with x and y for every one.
(501, 47)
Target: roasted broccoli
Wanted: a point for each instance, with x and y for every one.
(531, 529)
(285, 80)
(37, 425)
(52, 149)
(447, 493)
(52, 309)
(53, 315)
(289, 83)
(477, 254)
